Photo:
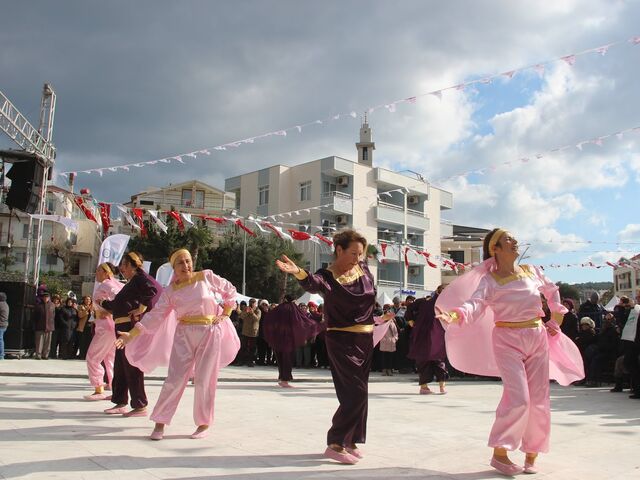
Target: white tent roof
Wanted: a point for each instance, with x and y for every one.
(384, 299)
(310, 297)
(612, 303)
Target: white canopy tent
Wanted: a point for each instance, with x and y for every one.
(384, 299)
(612, 303)
(310, 297)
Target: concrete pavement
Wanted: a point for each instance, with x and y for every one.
(264, 432)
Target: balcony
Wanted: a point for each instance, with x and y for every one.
(388, 180)
(390, 213)
(446, 200)
(336, 166)
(446, 229)
(337, 202)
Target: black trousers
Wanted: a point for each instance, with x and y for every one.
(285, 365)
(350, 357)
(427, 370)
(387, 360)
(127, 379)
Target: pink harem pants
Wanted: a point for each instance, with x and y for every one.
(199, 344)
(523, 415)
(102, 349)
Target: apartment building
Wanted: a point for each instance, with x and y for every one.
(383, 205)
(464, 245)
(626, 279)
(77, 251)
(192, 197)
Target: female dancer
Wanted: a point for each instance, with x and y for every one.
(285, 328)
(516, 346)
(189, 324)
(102, 349)
(139, 295)
(427, 346)
(349, 295)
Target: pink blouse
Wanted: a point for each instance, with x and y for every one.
(105, 290)
(513, 299)
(197, 297)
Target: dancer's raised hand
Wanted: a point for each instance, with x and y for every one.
(287, 265)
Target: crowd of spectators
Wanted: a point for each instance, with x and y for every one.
(609, 342)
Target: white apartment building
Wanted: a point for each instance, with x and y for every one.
(354, 195)
(626, 280)
(83, 245)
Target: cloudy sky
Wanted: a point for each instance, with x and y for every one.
(145, 80)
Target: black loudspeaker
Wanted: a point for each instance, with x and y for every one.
(27, 178)
(19, 337)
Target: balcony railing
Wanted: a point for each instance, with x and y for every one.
(340, 202)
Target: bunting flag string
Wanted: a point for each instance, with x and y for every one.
(539, 68)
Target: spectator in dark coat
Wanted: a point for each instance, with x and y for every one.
(592, 309)
(606, 350)
(570, 322)
(44, 324)
(621, 311)
(4, 321)
(586, 341)
(66, 332)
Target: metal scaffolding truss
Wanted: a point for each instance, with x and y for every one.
(18, 128)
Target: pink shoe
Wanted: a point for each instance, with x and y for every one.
(136, 413)
(115, 410)
(356, 452)
(530, 468)
(157, 435)
(203, 434)
(285, 384)
(506, 468)
(340, 457)
(96, 396)
(425, 391)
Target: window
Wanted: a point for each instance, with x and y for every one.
(365, 154)
(73, 238)
(146, 202)
(263, 195)
(199, 200)
(187, 198)
(305, 191)
(21, 257)
(74, 268)
(237, 200)
(457, 255)
(328, 187)
(304, 225)
(51, 205)
(52, 260)
(25, 231)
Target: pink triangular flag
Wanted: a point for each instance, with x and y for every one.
(569, 59)
(539, 68)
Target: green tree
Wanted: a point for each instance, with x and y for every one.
(263, 278)
(157, 246)
(568, 291)
(57, 284)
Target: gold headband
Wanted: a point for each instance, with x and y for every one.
(134, 256)
(177, 253)
(106, 268)
(494, 240)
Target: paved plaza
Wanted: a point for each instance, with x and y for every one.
(267, 433)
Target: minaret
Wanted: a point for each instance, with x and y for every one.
(365, 146)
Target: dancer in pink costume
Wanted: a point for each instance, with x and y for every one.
(189, 323)
(494, 328)
(102, 349)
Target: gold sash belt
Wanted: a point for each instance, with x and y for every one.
(353, 329)
(120, 320)
(533, 323)
(200, 319)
